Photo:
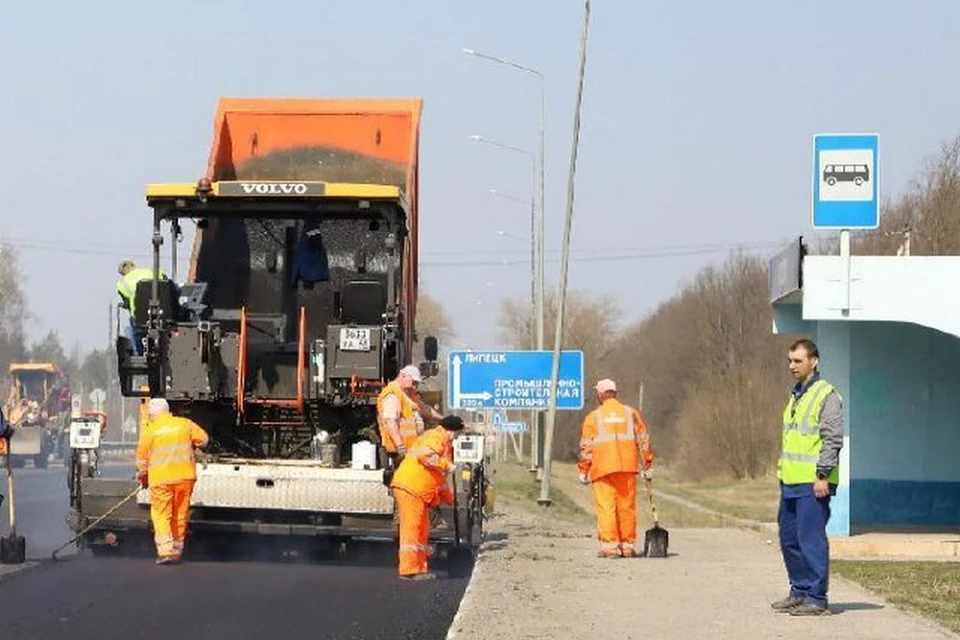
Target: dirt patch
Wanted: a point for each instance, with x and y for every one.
(539, 577)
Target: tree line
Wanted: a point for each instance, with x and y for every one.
(89, 369)
(713, 373)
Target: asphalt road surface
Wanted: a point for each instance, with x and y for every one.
(42, 504)
(100, 598)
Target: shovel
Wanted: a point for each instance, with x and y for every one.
(13, 548)
(656, 539)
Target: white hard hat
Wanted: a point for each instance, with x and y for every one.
(156, 406)
(606, 385)
(413, 372)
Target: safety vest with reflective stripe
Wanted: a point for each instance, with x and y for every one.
(408, 420)
(165, 449)
(611, 440)
(423, 471)
(127, 285)
(800, 440)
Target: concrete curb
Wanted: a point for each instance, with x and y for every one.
(466, 600)
(9, 571)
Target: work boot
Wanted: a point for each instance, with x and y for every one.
(420, 576)
(165, 560)
(601, 554)
(809, 609)
(787, 603)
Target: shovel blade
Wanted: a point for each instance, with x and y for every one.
(13, 550)
(655, 542)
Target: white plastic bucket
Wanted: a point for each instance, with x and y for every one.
(363, 455)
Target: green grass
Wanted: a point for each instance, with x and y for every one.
(574, 502)
(755, 499)
(931, 589)
(515, 483)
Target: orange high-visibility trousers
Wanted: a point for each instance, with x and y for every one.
(615, 501)
(414, 532)
(169, 512)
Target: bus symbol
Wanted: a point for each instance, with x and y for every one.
(855, 173)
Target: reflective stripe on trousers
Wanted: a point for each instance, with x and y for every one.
(615, 501)
(414, 532)
(169, 513)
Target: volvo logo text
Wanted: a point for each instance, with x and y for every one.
(275, 188)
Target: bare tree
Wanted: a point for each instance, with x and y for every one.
(711, 370)
(929, 211)
(591, 325)
(432, 320)
(13, 307)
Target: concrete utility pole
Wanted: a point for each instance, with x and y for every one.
(544, 499)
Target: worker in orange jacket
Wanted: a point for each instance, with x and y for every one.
(5, 432)
(419, 485)
(166, 464)
(613, 442)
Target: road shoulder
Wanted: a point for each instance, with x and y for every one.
(8, 571)
(537, 577)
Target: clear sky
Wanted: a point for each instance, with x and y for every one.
(697, 126)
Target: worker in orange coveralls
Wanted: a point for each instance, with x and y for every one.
(166, 464)
(613, 441)
(418, 485)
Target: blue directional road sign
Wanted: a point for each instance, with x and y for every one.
(846, 181)
(513, 380)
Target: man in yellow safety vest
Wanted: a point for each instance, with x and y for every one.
(811, 439)
(130, 276)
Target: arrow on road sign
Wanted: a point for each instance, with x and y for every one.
(513, 380)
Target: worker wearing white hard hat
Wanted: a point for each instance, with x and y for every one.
(167, 466)
(614, 448)
(401, 414)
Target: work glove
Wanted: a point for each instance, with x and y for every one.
(647, 474)
(584, 479)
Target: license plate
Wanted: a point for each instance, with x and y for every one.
(354, 339)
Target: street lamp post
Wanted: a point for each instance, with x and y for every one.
(534, 315)
(533, 229)
(538, 227)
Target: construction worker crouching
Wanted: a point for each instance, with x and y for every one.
(167, 465)
(130, 276)
(419, 484)
(613, 441)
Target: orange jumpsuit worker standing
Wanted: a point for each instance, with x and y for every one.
(166, 464)
(419, 484)
(612, 440)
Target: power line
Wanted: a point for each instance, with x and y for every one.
(646, 253)
(612, 258)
